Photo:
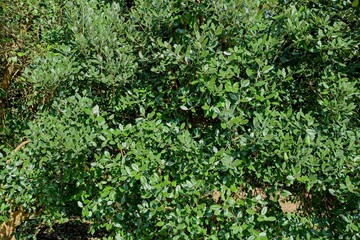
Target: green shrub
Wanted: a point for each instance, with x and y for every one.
(27, 29)
(163, 120)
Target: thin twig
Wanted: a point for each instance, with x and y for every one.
(18, 148)
(21, 145)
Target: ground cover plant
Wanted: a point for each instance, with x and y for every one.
(182, 119)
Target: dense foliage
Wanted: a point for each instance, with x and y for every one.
(164, 119)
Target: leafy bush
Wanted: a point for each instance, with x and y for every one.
(167, 119)
(27, 29)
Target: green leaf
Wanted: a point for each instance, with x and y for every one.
(250, 211)
(184, 108)
(160, 224)
(21, 54)
(263, 211)
(267, 69)
(290, 178)
(271, 219)
(95, 110)
(249, 72)
(285, 193)
(177, 48)
(260, 83)
(349, 184)
(311, 133)
(215, 207)
(354, 227)
(355, 3)
(181, 226)
(100, 120)
(135, 167)
(346, 219)
(106, 191)
(142, 111)
(245, 83)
